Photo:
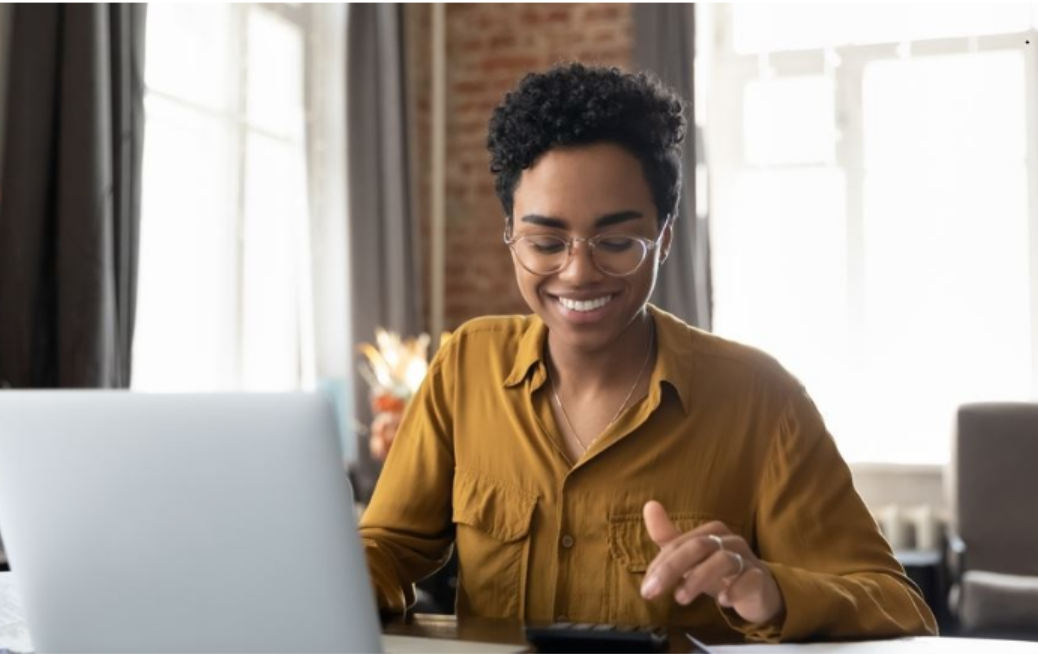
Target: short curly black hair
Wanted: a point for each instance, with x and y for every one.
(574, 104)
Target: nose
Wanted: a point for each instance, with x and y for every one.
(580, 269)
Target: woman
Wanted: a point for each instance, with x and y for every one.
(600, 460)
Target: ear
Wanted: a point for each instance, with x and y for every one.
(667, 240)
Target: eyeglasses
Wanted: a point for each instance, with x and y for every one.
(618, 255)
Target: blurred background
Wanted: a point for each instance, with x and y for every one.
(267, 184)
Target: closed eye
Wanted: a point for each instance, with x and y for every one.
(615, 243)
(544, 244)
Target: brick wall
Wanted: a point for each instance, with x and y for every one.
(489, 48)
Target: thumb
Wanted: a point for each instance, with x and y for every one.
(658, 523)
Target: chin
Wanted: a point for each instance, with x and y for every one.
(585, 332)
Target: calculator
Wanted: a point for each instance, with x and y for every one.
(591, 637)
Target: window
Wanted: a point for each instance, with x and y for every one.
(875, 210)
(224, 289)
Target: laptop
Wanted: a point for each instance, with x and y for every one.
(187, 523)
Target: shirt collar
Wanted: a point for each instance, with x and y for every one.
(673, 362)
(529, 353)
(675, 353)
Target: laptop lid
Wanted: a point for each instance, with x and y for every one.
(187, 523)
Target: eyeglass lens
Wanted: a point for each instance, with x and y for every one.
(613, 255)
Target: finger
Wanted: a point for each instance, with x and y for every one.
(742, 588)
(658, 523)
(669, 568)
(711, 576)
(756, 596)
(702, 532)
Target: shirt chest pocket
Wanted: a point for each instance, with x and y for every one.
(631, 551)
(492, 522)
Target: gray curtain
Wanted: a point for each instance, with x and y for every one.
(664, 43)
(383, 230)
(70, 207)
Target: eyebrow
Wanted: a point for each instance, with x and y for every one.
(603, 221)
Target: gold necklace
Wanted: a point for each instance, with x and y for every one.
(619, 412)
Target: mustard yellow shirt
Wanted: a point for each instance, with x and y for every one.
(725, 433)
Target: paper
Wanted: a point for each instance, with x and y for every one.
(14, 635)
(922, 645)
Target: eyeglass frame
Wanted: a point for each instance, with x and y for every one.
(650, 245)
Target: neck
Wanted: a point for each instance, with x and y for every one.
(588, 372)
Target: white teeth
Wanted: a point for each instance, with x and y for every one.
(586, 305)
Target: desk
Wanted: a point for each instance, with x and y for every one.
(511, 632)
(508, 632)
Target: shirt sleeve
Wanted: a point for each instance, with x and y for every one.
(407, 531)
(836, 572)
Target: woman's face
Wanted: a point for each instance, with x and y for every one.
(585, 191)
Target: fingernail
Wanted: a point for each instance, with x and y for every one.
(650, 587)
(682, 596)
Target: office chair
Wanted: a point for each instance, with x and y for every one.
(994, 539)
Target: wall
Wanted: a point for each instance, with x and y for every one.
(489, 48)
(881, 485)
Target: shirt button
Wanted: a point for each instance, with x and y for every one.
(567, 541)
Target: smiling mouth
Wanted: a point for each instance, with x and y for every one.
(585, 305)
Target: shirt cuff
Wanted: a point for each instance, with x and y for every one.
(797, 620)
(391, 596)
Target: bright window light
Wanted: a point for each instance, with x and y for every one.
(873, 225)
(789, 120)
(225, 259)
(760, 28)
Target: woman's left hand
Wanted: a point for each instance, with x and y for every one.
(709, 559)
(383, 432)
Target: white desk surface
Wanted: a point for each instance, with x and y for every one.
(922, 645)
(14, 637)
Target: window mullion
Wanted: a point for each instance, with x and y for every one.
(1031, 95)
(850, 157)
(240, 131)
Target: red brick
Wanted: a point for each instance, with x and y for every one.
(531, 18)
(502, 41)
(470, 87)
(559, 16)
(604, 13)
(495, 63)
